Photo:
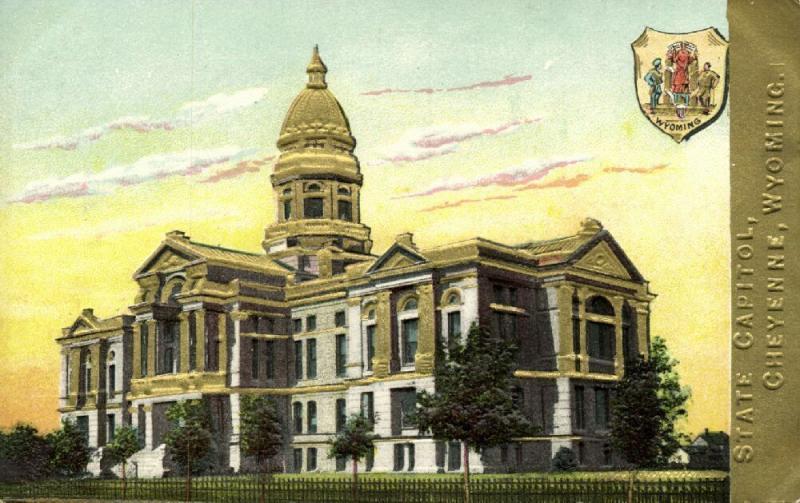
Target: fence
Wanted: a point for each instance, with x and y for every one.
(398, 490)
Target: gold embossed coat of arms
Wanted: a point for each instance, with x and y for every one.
(681, 79)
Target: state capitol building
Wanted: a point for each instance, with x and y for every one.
(329, 327)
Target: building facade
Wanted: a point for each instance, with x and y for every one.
(328, 328)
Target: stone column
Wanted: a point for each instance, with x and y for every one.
(148, 426)
(152, 338)
(619, 359)
(97, 371)
(222, 336)
(75, 375)
(426, 337)
(383, 334)
(234, 448)
(565, 349)
(62, 382)
(584, 356)
(137, 349)
(236, 350)
(355, 349)
(183, 342)
(201, 338)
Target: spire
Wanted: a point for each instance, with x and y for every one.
(316, 71)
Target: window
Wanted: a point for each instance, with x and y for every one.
(270, 347)
(312, 417)
(399, 457)
(601, 408)
(581, 453)
(83, 427)
(499, 294)
(341, 463)
(341, 414)
(110, 428)
(313, 187)
(313, 207)
(339, 319)
(368, 407)
(169, 347)
(287, 209)
(254, 359)
(453, 328)
(607, 458)
(143, 339)
(112, 380)
(341, 355)
(453, 299)
(298, 360)
(580, 409)
(599, 305)
(311, 358)
(311, 323)
(212, 342)
(370, 346)
(370, 462)
(600, 340)
(403, 405)
(409, 336)
(297, 460)
(576, 327)
(192, 341)
(410, 304)
(345, 210)
(512, 296)
(87, 372)
(297, 326)
(344, 191)
(297, 415)
(454, 456)
(371, 314)
(504, 325)
(311, 459)
(410, 448)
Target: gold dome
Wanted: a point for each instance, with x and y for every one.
(315, 112)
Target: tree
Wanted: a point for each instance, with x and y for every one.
(565, 460)
(125, 444)
(355, 441)
(24, 454)
(69, 451)
(260, 433)
(648, 402)
(190, 440)
(472, 402)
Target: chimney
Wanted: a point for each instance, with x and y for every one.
(406, 239)
(88, 312)
(179, 235)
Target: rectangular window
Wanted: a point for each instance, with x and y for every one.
(341, 355)
(297, 416)
(83, 427)
(311, 323)
(345, 209)
(370, 346)
(212, 342)
(192, 341)
(499, 294)
(287, 209)
(601, 408)
(601, 340)
(312, 416)
(409, 335)
(410, 448)
(110, 428)
(341, 414)
(112, 380)
(254, 359)
(270, 349)
(512, 296)
(311, 358)
(580, 409)
(408, 407)
(339, 319)
(368, 407)
(453, 328)
(297, 326)
(370, 461)
(341, 463)
(313, 207)
(311, 461)
(454, 456)
(297, 460)
(143, 339)
(399, 457)
(298, 360)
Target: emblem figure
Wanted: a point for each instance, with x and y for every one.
(706, 83)
(679, 56)
(654, 79)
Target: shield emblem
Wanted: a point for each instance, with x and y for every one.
(681, 79)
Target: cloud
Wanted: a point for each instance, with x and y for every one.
(241, 168)
(130, 223)
(563, 182)
(188, 114)
(425, 143)
(522, 174)
(643, 171)
(152, 167)
(460, 202)
(508, 80)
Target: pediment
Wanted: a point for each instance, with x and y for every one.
(396, 257)
(604, 260)
(82, 324)
(166, 258)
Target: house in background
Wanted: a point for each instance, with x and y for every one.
(709, 451)
(327, 328)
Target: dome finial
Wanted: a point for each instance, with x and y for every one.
(316, 71)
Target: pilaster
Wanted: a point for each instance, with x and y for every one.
(75, 375)
(148, 426)
(137, 349)
(566, 351)
(97, 371)
(426, 338)
(355, 337)
(222, 337)
(583, 293)
(383, 334)
(202, 337)
(183, 342)
(152, 337)
(619, 359)
(235, 370)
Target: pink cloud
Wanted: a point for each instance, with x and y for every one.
(525, 173)
(188, 114)
(508, 80)
(643, 171)
(239, 169)
(425, 143)
(461, 202)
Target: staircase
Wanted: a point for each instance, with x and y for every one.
(145, 464)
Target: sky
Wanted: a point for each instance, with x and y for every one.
(122, 121)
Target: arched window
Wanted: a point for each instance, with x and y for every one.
(313, 187)
(599, 305)
(86, 372)
(371, 314)
(287, 192)
(111, 379)
(171, 291)
(344, 191)
(452, 299)
(410, 304)
(409, 331)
